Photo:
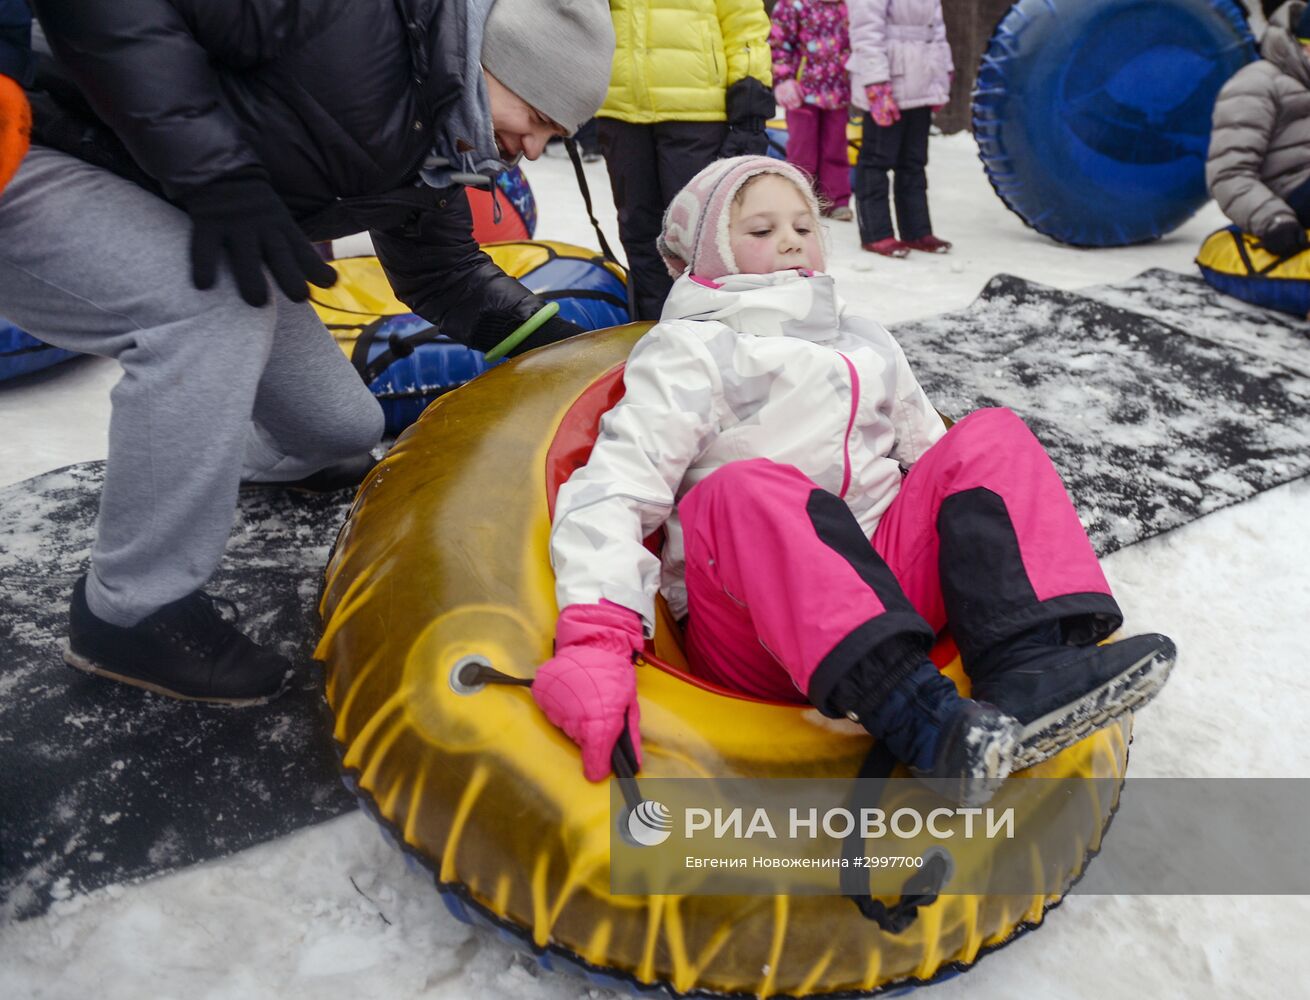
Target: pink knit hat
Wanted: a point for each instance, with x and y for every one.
(695, 236)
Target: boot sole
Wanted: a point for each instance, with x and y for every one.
(78, 662)
(994, 765)
(303, 491)
(1043, 738)
(987, 766)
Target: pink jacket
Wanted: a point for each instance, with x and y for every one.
(811, 43)
(903, 41)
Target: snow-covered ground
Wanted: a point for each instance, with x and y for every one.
(333, 911)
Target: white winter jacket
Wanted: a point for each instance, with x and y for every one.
(752, 366)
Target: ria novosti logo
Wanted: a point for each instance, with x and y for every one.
(650, 824)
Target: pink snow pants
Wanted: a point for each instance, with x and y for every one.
(816, 142)
(785, 593)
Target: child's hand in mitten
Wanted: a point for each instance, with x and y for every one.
(789, 94)
(1286, 237)
(15, 127)
(950, 82)
(589, 687)
(882, 105)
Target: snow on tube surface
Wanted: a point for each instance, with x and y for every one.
(407, 362)
(21, 353)
(1235, 264)
(428, 572)
(512, 215)
(1092, 117)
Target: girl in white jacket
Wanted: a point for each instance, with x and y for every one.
(769, 430)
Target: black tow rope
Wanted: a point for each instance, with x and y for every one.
(624, 758)
(571, 145)
(1251, 269)
(920, 889)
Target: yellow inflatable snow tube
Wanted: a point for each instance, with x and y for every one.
(444, 559)
(1237, 264)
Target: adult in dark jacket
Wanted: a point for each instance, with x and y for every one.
(1258, 167)
(212, 140)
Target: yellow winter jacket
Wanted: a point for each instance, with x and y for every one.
(676, 58)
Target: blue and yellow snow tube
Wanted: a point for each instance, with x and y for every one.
(443, 560)
(407, 362)
(1234, 263)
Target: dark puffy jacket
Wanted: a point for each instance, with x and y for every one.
(334, 99)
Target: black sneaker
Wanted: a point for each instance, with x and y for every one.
(1063, 693)
(184, 650)
(344, 475)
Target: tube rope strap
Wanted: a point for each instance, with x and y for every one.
(571, 145)
(624, 757)
(920, 889)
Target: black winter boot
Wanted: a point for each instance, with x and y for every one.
(184, 650)
(961, 748)
(1063, 693)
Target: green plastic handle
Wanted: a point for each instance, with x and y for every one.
(533, 323)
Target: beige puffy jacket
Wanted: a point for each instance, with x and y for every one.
(1260, 141)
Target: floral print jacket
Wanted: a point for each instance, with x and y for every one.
(811, 43)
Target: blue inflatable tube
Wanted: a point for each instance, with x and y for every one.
(21, 353)
(1093, 116)
(407, 364)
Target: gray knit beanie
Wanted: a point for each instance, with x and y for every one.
(555, 54)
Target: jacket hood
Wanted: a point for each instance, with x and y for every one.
(445, 42)
(792, 303)
(1279, 46)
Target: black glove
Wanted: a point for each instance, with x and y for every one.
(554, 329)
(748, 104)
(495, 327)
(242, 217)
(1285, 237)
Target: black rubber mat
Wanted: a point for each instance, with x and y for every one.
(1156, 402)
(103, 783)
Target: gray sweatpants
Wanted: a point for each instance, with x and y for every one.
(213, 390)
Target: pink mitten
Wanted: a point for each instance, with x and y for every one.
(589, 687)
(950, 83)
(789, 94)
(882, 105)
